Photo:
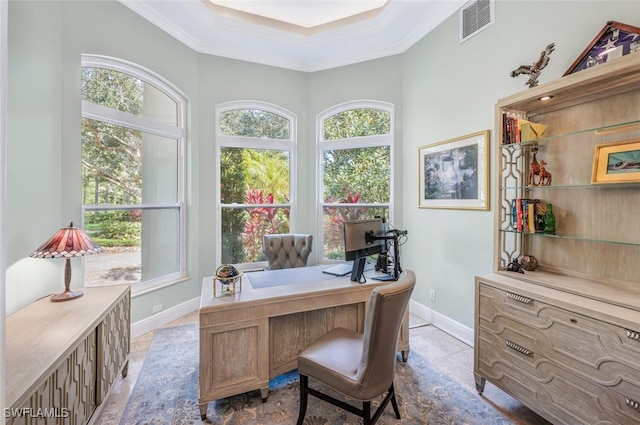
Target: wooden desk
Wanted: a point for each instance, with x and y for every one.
(251, 337)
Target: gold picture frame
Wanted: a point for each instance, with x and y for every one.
(616, 162)
(454, 173)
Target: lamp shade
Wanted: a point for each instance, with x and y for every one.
(68, 242)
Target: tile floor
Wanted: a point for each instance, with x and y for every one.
(443, 351)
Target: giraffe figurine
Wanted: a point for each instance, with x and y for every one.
(545, 176)
(534, 168)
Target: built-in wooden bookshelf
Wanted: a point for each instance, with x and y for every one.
(597, 233)
(565, 338)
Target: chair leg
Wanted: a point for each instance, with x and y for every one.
(390, 397)
(366, 412)
(394, 403)
(304, 382)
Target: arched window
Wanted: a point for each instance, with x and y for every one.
(133, 139)
(356, 153)
(255, 162)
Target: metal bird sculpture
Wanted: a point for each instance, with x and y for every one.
(534, 70)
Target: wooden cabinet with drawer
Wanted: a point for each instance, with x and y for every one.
(63, 358)
(562, 333)
(571, 358)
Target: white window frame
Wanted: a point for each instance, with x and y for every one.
(177, 132)
(223, 140)
(351, 143)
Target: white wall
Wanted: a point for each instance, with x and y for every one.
(34, 182)
(450, 90)
(3, 189)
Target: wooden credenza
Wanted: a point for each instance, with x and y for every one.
(251, 337)
(62, 358)
(572, 358)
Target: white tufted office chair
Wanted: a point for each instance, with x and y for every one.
(287, 251)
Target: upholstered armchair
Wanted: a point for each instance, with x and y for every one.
(360, 366)
(287, 250)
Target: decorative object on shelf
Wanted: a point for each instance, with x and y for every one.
(538, 169)
(545, 176)
(549, 221)
(531, 131)
(528, 262)
(527, 215)
(534, 168)
(228, 277)
(516, 129)
(540, 212)
(536, 68)
(613, 41)
(515, 266)
(616, 162)
(454, 173)
(68, 242)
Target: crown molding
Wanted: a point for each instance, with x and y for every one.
(389, 31)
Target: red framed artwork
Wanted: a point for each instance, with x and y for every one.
(613, 41)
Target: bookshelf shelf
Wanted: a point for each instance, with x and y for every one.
(585, 186)
(569, 237)
(606, 133)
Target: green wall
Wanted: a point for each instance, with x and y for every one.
(440, 88)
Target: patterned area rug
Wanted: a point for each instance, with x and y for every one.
(166, 393)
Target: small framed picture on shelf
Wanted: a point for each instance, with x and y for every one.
(454, 173)
(613, 41)
(616, 162)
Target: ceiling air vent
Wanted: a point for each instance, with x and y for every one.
(474, 17)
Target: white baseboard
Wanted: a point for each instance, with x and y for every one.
(421, 311)
(442, 322)
(160, 319)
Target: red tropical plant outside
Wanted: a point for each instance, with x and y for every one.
(336, 216)
(262, 221)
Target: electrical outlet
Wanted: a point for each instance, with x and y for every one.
(432, 294)
(156, 308)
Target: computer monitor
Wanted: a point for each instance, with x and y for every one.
(358, 247)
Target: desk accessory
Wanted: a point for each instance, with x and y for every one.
(228, 277)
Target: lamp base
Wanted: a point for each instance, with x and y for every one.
(67, 295)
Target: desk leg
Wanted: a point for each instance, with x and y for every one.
(264, 392)
(405, 355)
(203, 410)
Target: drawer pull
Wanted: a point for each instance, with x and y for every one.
(518, 348)
(519, 298)
(633, 334)
(573, 320)
(632, 403)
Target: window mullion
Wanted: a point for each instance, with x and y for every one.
(125, 119)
